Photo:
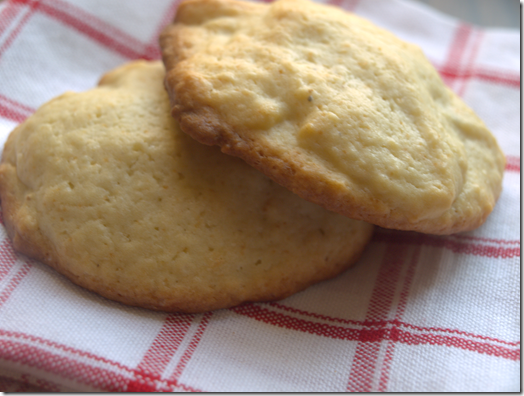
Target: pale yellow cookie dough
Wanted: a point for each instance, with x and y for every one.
(335, 109)
(103, 187)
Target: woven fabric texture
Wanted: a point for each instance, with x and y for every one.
(418, 313)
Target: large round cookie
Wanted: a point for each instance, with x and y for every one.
(104, 187)
(337, 110)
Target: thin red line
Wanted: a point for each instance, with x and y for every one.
(160, 352)
(462, 34)
(452, 331)
(366, 354)
(94, 21)
(191, 347)
(80, 22)
(519, 85)
(384, 323)
(7, 258)
(314, 315)
(474, 238)
(513, 168)
(152, 50)
(14, 103)
(33, 6)
(386, 283)
(478, 36)
(7, 15)
(386, 366)
(61, 365)
(512, 163)
(370, 335)
(15, 281)
(11, 114)
(106, 39)
(175, 385)
(61, 347)
(443, 242)
(70, 9)
(481, 74)
(167, 18)
(401, 307)
(166, 343)
(468, 345)
(410, 273)
(64, 348)
(488, 75)
(13, 110)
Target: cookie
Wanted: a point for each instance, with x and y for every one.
(335, 109)
(105, 188)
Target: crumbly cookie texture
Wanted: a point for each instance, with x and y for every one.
(337, 110)
(104, 187)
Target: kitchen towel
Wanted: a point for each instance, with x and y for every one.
(417, 313)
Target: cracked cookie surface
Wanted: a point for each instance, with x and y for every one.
(104, 187)
(337, 110)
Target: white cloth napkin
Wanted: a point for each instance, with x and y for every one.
(418, 313)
